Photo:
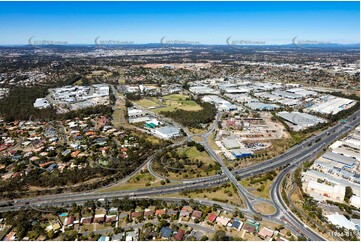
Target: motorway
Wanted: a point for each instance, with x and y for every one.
(293, 157)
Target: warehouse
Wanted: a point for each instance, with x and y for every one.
(167, 132)
(261, 106)
(346, 161)
(240, 153)
(230, 143)
(302, 120)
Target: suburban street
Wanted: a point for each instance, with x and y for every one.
(293, 158)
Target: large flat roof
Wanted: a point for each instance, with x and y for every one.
(339, 158)
(302, 119)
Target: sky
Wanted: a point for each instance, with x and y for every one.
(188, 22)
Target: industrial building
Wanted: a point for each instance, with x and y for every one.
(331, 105)
(167, 132)
(261, 106)
(241, 153)
(41, 103)
(347, 162)
(301, 120)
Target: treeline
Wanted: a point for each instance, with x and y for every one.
(193, 119)
(18, 105)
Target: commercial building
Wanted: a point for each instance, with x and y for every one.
(240, 153)
(331, 104)
(203, 90)
(346, 161)
(41, 103)
(302, 120)
(341, 221)
(261, 106)
(230, 143)
(167, 132)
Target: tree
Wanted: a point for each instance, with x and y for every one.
(162, 182)
(219, 235)
(348, 194)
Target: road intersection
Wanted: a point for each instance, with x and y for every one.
(291, 159)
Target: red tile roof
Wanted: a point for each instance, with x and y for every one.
(212, 217)
(180, 234)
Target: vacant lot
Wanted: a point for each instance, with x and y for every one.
(264, 208)
(169, 103)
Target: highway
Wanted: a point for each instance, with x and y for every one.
(294, 157)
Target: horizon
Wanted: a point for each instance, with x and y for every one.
(204, 23)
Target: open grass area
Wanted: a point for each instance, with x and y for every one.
(212, 142)
(224, 193)
(146, 103)
(141, 180)
(169, 103)
(264, 208)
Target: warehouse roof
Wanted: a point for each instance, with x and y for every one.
(339, 158)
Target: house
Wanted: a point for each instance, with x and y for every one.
(69, 221)
(53, 227)
(179, 235)
(136, 215)
(197, 214)
(185, 212)
(265, 233)
(237, 225)
(165, 232)
(148, 213)
(172, 212)
(110, 218)
(86, 220)
(223, 221)
(212, 217)
(160, 212)
(251, 226)
(99, 218)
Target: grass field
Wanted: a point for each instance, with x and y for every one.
(216, 193)
(138, 181)
(146, 103)
(169, 103)
(264, 208)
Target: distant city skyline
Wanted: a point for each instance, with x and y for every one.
(264, 23)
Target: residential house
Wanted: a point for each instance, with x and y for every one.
(222, 220)
(212, 217)
(197, 214)
(237, 224)
(265, 233)
(99, 218)
(185, 212)
(179, 236)
(165, 232)
(69, 221)
(86, 220)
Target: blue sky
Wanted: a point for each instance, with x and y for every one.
(203, 22)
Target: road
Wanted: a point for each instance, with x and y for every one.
(293, 158)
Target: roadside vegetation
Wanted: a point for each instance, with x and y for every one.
(186, 162)
(260, 185)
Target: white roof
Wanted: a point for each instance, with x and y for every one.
(341, 221)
